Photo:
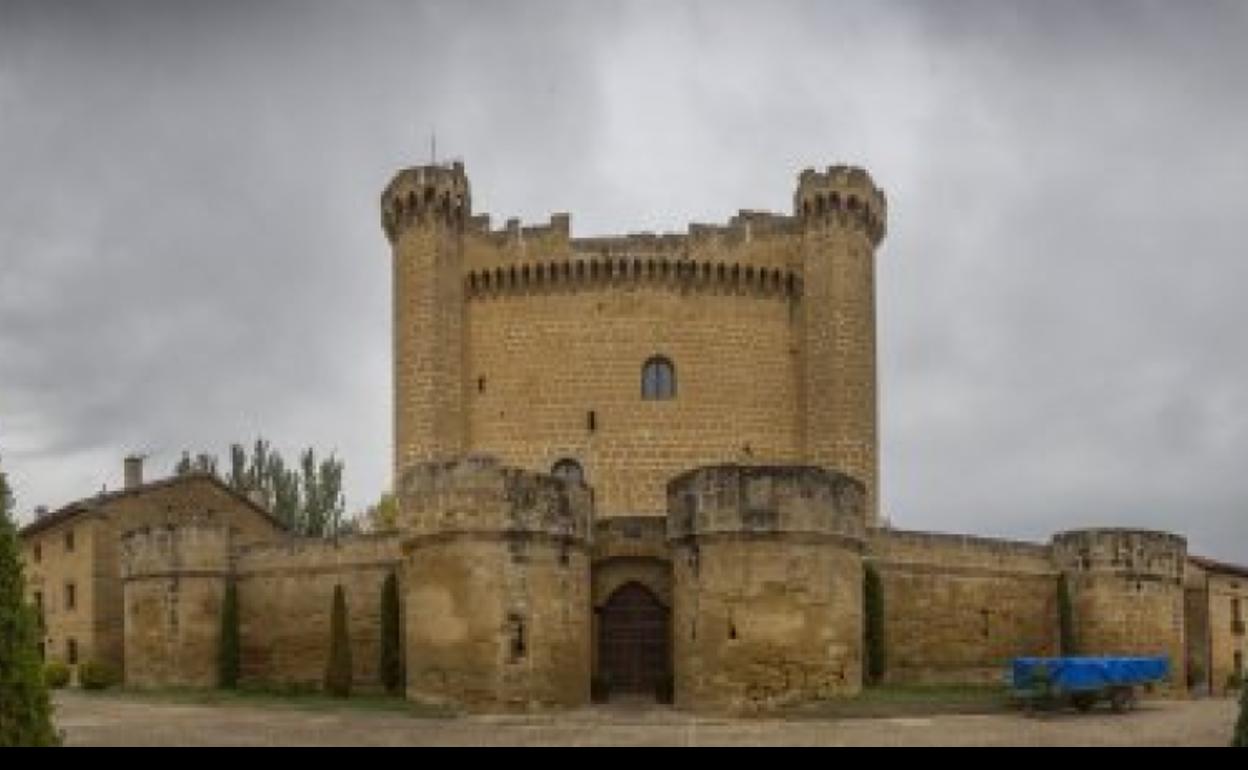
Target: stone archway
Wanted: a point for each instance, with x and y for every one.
(634, 641)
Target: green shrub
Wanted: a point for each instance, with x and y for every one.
(1240, 737)
(1234, 681)
(25, 709)
(391, 638)
(338, 667)
(94, 675)
(873, 625)
(228, 656)
(56, 674)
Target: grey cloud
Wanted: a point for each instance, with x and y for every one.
(190, 251)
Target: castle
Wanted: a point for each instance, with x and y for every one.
(646, 462)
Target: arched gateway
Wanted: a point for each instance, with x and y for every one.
(634, 652)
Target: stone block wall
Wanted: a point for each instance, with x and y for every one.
(497, 570)
(1127, 592)
(767, 586)
(285, 597)
(173, 582)
(958, 608)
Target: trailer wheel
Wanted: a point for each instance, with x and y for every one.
(1084, 701)
(1121, 699)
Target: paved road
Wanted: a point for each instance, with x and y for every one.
(104, 721)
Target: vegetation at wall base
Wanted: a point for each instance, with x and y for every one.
(56, 674)
(873, 626)
(338, 668)
(228, 662)
(391, 642)
(1239, 738)
(96, 675)
(25, 709)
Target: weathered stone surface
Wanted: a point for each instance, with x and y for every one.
(767, 584)
(497, 586)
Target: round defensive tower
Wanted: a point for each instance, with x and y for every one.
(496, 569)
(843, 218)
(767, 586)
(1126, 592)
(173, 586)
(423, 213)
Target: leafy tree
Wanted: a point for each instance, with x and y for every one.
(338, 667)
(873, 625)
(1240, 737)
(391, 639)
(1065, 617)
(307, 500)
(383, 515)
(228, 654)
(25, 711)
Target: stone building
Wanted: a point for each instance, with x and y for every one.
(646, 462)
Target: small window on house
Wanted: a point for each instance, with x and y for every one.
(69, 541)
(39, 607)
(38, 553)
(658, 379)
(71, 651)
(70, 597)
(1239, 664)
(1235, 610)
(568, 470)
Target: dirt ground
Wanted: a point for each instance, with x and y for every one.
(101, 720)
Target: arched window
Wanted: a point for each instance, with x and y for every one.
(658, 379)
(568, 470)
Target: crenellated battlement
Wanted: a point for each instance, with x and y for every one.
(842, 196)
(426, 195)
(744, 499)
(1133, 553)
(607, 273)
(479, 496)
(162, 551)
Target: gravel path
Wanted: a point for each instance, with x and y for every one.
(106, 721)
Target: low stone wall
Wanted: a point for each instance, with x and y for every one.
(958, 608)
(285, 597)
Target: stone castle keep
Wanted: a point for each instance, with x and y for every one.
(643, 461)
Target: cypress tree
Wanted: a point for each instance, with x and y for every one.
(25, 711)
(391, 642)
(873, 625)
(1065, 617)
(228, 660)
(1240, 737)
(338, 669)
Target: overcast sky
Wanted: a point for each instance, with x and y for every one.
(190, 249)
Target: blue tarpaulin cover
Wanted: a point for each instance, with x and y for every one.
(1090, 673)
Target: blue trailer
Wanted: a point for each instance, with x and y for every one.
(1083, 681)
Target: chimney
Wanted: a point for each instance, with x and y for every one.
(134, 471)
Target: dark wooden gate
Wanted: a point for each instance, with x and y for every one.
(633, 641)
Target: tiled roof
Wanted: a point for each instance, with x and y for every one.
(1219, 566)
(87, 504)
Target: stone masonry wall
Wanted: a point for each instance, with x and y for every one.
(285, 597)
(1127, 588)
(767, 586)
(957, 608)
(497, 586)
(173, 586)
